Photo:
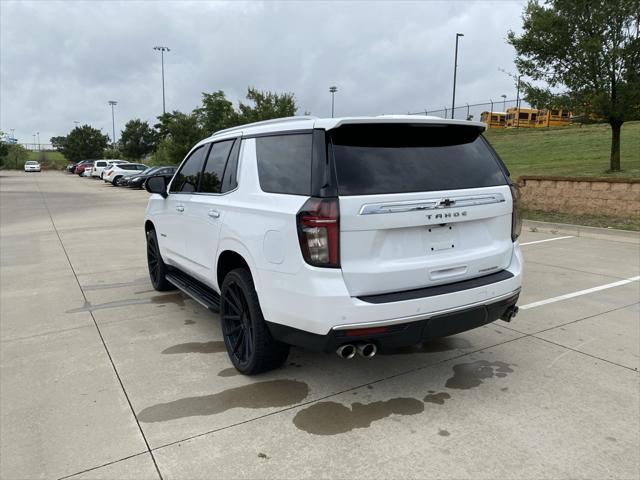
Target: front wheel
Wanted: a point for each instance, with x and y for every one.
(249, 343)
(157, 267)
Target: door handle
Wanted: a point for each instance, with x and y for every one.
(214, 213)
(180, 208)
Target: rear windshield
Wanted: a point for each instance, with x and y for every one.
(388, 158)
(32, 162)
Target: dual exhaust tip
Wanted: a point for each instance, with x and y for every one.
(349, 350)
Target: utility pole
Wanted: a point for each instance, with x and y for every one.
(162, 50)
(38, 133)
(518, 103)
(113, 103)
(455, 72)
(333, 90)
(504, 102)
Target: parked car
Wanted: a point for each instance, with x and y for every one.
(138, 181)
(100, 165)
(339, 234)
(71, 168)
(82, 166)
(32, 166)
(119, 171)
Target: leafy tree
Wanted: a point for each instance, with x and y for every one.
(111, 153)
(58, 143)
(14, 157)
(267, 105)
(137, 139)
(589, 48)
(82, 143)
(178, 132)
(4, 147)
(216, 113)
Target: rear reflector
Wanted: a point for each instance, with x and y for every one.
(366, 331)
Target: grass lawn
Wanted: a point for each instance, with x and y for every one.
(574, 151)
(54, 159)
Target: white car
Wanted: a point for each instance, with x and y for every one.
(339, 234)
(99, 166)
(117, 172)
(32, 166)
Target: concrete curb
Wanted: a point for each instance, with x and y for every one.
(626, 236)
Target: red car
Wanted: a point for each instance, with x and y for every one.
(82, 166)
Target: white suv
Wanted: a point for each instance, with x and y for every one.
(115, 172)
(340, 234)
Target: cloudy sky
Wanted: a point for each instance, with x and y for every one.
(62, 62)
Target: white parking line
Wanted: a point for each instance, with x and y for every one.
(547, 240)
(579, 293)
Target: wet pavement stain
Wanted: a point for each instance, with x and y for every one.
(196, 347)
(470, 375)
(269, 394)
(433, 346)
(443, 433)
(264, 455)
(189, 322)
(437, 398)
(228, 372)
(331, 418)
(104, 286)
(611, 439)
(175, 298)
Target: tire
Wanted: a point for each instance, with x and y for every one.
(157, 267)
(116, 182)
(249, 343)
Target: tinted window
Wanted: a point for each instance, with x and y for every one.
(214, 169)
(284, 163)
(377, 159)
(230, 180)
(101, 164)
(186, 180)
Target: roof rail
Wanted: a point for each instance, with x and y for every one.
(266, 122)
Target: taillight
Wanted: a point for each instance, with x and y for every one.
(109, 173)
(319, 232)
(516, 220)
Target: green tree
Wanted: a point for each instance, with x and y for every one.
(137, 139)
(178, 133)
(267, 105)
(591, 50)
(14, 157)
(58, 143)
(216, 113)
(83, 142)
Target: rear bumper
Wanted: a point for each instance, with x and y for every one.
(317, 301)
(401, 334)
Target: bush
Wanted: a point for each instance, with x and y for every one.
(15, 157)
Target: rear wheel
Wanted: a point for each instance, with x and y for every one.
(157, 267)
(249, 343)
(116, 181)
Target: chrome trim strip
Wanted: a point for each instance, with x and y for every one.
(423, 316)
(447, 202)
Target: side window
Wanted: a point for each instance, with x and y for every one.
(230, 180)
(284, 163)
(213, 170)
(187, 178)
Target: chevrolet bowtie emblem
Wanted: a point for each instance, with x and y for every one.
(447, 202)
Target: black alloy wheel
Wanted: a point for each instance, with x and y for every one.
(249, 343)
(157, 267)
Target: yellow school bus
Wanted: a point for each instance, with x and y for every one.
(521, 117)
(493, 119)
(553, 118)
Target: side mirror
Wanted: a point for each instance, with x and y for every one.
(157, 185)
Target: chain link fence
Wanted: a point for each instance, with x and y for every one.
(473, 111)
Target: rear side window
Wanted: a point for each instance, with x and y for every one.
(230, 180)
(186, 180)
(284, 163)
(101, 164)
(214, 169)
(379, 159)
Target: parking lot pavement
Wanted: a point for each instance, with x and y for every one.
(102, 377)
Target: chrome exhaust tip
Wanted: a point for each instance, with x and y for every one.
(367, 350)
(346, 351)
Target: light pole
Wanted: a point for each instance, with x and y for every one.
(162, 50)
(113, 123)
(38, 133)
(504, 102)
(76, 123)
(455, 72)
(333, 89)
(34, 142)
(12, 130)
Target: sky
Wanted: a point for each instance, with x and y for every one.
(61, 62)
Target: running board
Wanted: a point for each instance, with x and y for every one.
(201, 293)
